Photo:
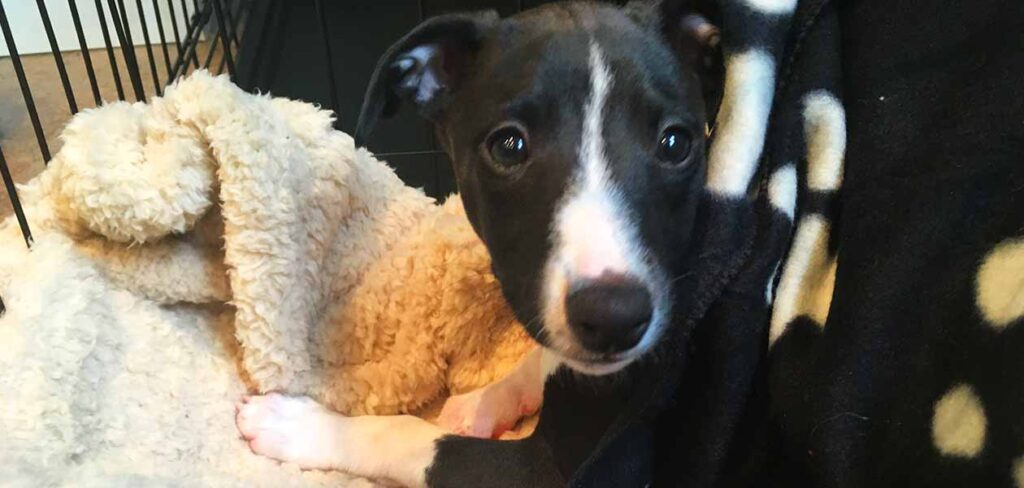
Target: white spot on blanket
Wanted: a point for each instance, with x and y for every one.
(782, 195)
(776, 7)
(808, 278)
(959, 423)
(1018, 472)
(742, 122)
(825, 129)
(782, 190)
(1000, 284)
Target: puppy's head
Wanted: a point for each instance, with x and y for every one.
(576, 132)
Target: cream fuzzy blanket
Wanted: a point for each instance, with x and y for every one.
(214, 242)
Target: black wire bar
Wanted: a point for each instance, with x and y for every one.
(127, 48)
(86, 57)
(26, 92)
(149, 45)
(163, 36)
(326, 35)
(110, 50)
(12, 194)
(218, 7)
(184, 12)
(57, 58)
(189, 44)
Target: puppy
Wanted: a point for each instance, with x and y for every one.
(576, 132)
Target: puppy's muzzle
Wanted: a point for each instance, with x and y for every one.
(609, 314)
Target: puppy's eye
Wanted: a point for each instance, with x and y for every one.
(507, 147)
(674, 145)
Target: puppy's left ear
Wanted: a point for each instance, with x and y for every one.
(695, 40)
(424, 67)
(700, 44)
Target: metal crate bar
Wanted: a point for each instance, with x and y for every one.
(110, 50)
(189, 20)
(221, 26)
(26, 92)
(331, 85)
(86, 58)
(127, 48)
(211, 51)
(149, 45)
(272, 12)
(174, 27)
(189, 44)
(57, 58)
(120, 17)
(163, 36)
(233, 27)
(12, 194)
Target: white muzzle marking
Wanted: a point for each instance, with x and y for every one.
(593, 235)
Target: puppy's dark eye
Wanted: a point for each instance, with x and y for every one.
(507, 147)
(674, 145)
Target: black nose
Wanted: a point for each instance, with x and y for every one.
(608, 315)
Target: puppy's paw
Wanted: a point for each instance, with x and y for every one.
(486, 412)
(291, 429)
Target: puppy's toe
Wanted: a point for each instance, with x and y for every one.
(270, 444)
(485, 412)
(296, 430)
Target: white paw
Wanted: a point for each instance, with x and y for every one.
(486, 412)
(291, 429)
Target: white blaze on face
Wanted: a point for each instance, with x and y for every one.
(592, 233)
(590, 226)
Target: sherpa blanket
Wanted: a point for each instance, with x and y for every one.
(214, 242)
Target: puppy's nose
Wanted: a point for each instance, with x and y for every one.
(609, 314)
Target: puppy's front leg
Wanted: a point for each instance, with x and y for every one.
(489, 411)
(301, 431)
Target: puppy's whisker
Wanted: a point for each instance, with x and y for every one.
(681, 276)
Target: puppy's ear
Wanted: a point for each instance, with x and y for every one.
(424, 68)
(696, 41)
(699, 43)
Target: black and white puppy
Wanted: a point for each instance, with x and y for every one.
(576, 131)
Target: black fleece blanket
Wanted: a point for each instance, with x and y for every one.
(868, 329)
(898, 361)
